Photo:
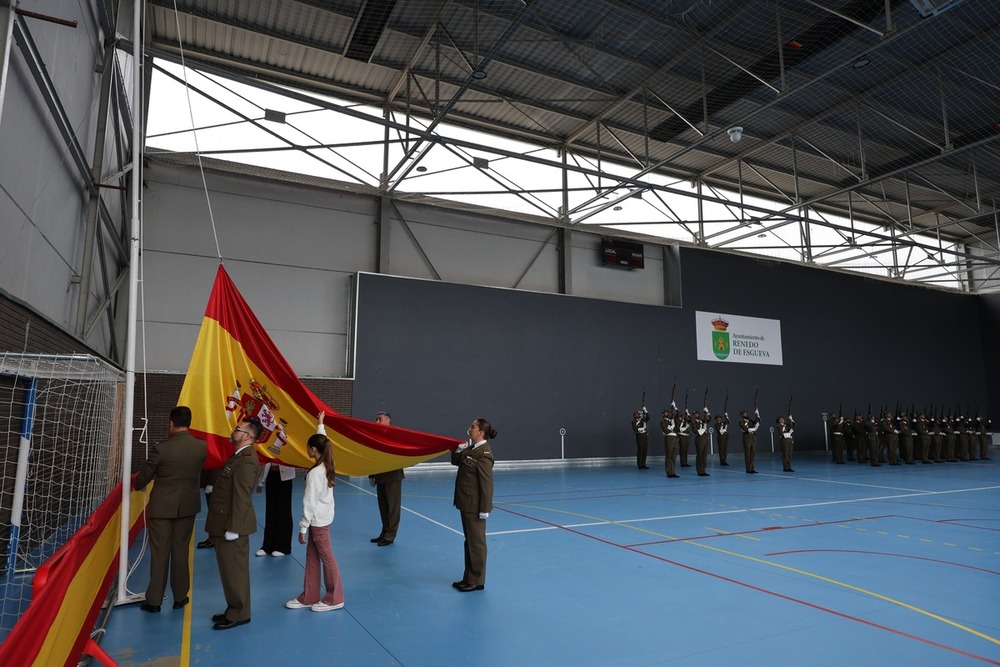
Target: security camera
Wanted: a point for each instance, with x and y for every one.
(735, 134)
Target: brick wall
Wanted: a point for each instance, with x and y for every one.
(22, 330)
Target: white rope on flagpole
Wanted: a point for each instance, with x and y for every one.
(194, 132)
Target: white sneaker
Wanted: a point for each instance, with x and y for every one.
(295, 604)
(322, 606)
(276, 554)
(261, 552)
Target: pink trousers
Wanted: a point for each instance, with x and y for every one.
(319, 552)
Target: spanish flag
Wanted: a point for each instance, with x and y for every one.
(236, 372)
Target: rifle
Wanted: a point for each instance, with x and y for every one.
(869, 408)
(755, 411)
(789, 405)
(685, 401)
(840, 410)
(643, 397)
(704, 405)
(673, 391)
(725, 404)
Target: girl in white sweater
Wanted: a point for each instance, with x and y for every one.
(317, 515)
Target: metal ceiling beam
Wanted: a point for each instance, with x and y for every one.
(412, 157)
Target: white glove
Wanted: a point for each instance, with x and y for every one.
(465, 445)
(208, 489)
(790, 418)
(231, 536)
(484, 515)
(757, 412)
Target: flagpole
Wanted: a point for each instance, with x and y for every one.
(133, 275)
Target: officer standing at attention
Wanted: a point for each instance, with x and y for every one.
(890, 437)
(722, 428)
(389, 491)
(749, 427)
(639, 420)
(860, 438)
(836, 426)
(699, 423)
(785, 430)
(671, 441)
(905, 438)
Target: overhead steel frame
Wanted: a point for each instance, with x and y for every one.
(897, 234)
(105, 231)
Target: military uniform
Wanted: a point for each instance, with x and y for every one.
(860, 438)
(671, 441)
(474, 496)
(837, 428)
(389, 491)
(231, 510)
(963, 438)
(937, 440)
(749, 428)
(786, 429)
(924, 439)
(175, 465)
(950, 438)
(722, 429)
(985, 438)
(699, 424)
(906, 433)
(871, 438)
(889, 436)
(684, 435)
(639, 420)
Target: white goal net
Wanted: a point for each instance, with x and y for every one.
(60, 436)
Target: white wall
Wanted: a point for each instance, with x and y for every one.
(293, 250)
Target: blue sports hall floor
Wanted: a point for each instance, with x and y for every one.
(609, 565)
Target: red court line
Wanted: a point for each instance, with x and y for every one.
(766, 529)
(881, 553)
(759, 589)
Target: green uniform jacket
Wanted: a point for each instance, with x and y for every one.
(474, 481)
(231, 507)
(175, 464)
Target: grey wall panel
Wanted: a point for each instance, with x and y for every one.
(292, 252)
(42, 202)
(591, 279)
(490, 251)
(438, 354)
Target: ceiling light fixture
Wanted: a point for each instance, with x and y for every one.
(478, 74)
(421, 169)
(863, 61)
(735, 134)
(618, 208)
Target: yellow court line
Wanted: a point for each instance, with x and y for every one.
(726, 532)
(804, 573)
(186, 624)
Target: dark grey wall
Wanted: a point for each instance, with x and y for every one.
(438, 354)
(989, 313)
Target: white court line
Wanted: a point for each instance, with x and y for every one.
(867, 486)
(876, 498)
(415, 513)
(752, 509)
